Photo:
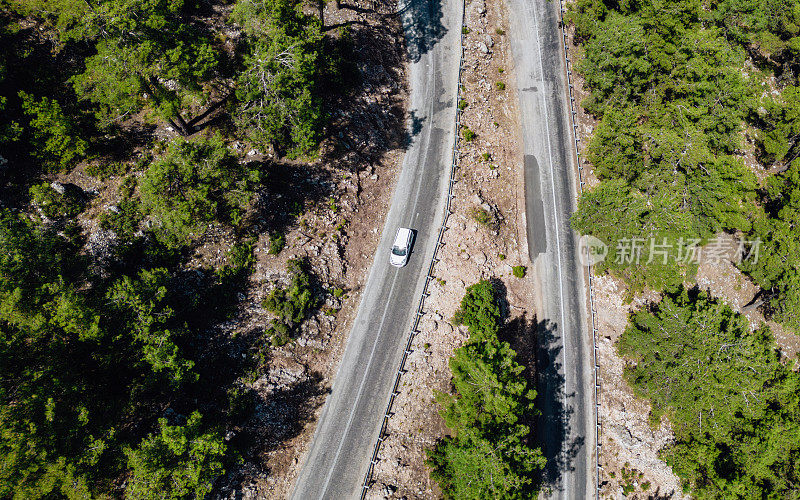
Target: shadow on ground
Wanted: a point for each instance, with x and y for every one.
(552, 428)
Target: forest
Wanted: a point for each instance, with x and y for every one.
(697, 136)
(113, 380)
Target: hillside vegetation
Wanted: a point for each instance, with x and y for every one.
(113, 381)
(688, 94)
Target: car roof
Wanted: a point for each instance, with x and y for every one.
(402, 237)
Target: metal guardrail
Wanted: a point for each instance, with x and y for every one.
(420, 312)
(574, 116)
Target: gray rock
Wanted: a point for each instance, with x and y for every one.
(489, 41)
(57, 187)
(483, 48)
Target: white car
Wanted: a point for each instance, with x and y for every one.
(401, 247)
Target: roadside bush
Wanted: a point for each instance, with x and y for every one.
(500, 86)
(482, 216)
(479, 310)
(519, 271)
(486, 454)
(468, 134)
(732, 402)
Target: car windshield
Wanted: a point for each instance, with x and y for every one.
(400, 252)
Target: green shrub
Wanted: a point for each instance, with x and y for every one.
(468, 134)
(486, 156)
(501, 256)
(487, 454)
(479, 310)
(500, 85)
(194, 184)
(54, 204)
(462, 104)
(500, 31)
(124, 221)
(54, 137)
(276, 243)
(464, 30)
(338, 292)
(481, 216)
(241, 256)
(519, 271)
(291, 305)
(278, 333)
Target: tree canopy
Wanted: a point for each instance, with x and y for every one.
(278, 101)
(193, 184)
(489, 454)
(732, 403)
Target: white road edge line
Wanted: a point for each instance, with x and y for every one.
(558, 238)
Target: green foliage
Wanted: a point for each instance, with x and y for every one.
(276, 88)
(777, 268)
(148, 57)
(519, 271)
(500, 85)
(194, 184)
(54, 204)
(180, 461)
(53, 136)
(141, 304)
(276, 243)
(482, 216)
(241, 256)
(670, 91)
(291, 305)
(468, 134)
(479, 310)
(733, 405)
(124, 220)
(462, 104)
(487, 454)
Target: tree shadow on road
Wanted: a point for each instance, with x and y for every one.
(552, 427)
(425, 28)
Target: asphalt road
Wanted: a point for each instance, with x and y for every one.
(566, 428)
(348, 427)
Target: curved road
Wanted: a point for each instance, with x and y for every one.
(348, 427)
(566, 428)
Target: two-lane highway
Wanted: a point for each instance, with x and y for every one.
(349, 424)
(566, 384)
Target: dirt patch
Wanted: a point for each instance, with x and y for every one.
(485, 237)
